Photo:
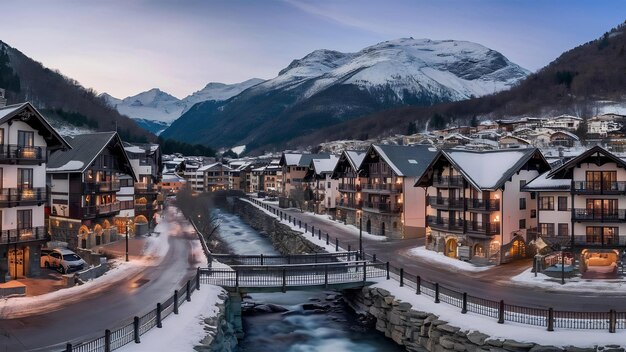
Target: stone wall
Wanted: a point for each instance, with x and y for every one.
(284, 239)
(221, 335)
(420, 331)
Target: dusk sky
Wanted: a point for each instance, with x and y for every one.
(124, 47)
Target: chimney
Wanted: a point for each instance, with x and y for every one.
(3, 100)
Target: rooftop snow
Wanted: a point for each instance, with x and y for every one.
(69, 166)
(325, 165)
(486, 168)
(543, 182)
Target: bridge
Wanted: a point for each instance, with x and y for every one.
(259, 273)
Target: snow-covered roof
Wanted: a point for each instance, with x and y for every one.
(405, 160)
(543, 182)
(566, 133)
(134, 149)
(172, 178)
(325, 165)
(291, 159)
(355, 158)
(69, 166)
(214, 165)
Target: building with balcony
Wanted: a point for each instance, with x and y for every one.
(26, 138)
(217, 177)
(392, 206)
(349, 198)
(323, 188)
(476, 209)
(294, 168)
(84, 182)
(146, 161)
(581, 206)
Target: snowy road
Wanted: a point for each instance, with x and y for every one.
(111, 303)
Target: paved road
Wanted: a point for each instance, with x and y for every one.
(491, 284)
(107, 308)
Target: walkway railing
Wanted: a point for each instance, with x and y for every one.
(261, 259)
(546, 317)
(293, 276)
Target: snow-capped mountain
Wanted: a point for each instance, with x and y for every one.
(326, 87)
(162, 108)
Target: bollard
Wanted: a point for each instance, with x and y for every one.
(198, 279)
(284, 280)
(501, 313)
(374, 258)
(401, 277)
(136, 328)
(325, 276)
(349, 250)
(237, 280)
(612, 321)
(107, 340)
(418, 285)
(464, 307)
(436, 293)
(68, 347)
(327, 239)
(261, 258)
(158, 316)
(312, 231)
(299, 224)
(550, 319)
(175, 301)
(188, 291)
(387, 267)
(319, 234)
(336, 245)
(364, 271)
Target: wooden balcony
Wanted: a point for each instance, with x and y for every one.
(446, 224)
(381, 188)
(484, 229)
(382, 207)
(101, 187)
(350, 204)
(589, 241)
(15, 154)
(347, 187)
(101, 210)
(483, 204)
(12, 197)
(599, 187)
(591, 215)
(448, 182)
(23, 235)
(446, 203)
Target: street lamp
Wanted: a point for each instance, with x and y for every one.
(361, 235)
(127, 234)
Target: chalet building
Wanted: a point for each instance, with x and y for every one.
(26, 139)
(272, 177)
(510, 141)
(581, 205)
(294, 168)
(563, 122)
(392, 206)
(217, 177)
(195, 178)
(171, 184)
(324, 189)
(564, 139)
(349, 186)
(146, 161)
(476, 209)
(603, 124)
(84, 183)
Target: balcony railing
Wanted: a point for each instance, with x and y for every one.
(10, 197)
(445, 224)
(448, 203)
(101, 187)
(599, 241)
(350, 204)
(144, 187)
(448, 181)
(487, 229)
(23, 235)
(383, 207)
(12, 153)
(381, 187)
(599, 187)
(347, 187)
(484, 204)
(601, 216)
(106, 209)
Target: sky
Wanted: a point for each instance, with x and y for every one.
(123, 47)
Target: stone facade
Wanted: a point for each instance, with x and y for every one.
(221, 332)
(419, 331)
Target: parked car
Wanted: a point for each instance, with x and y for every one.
(61, 259)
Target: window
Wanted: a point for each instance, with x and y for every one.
(328, 185)
(562, 203)
(546, 229)
(522, 183)
(563, 230)
(546, 203)
(25, 178)
(533, 213)
(533, 195)
(602, 235)
(522, 203)
(598, 180)
(24, 219)
(1, 136)
(522, 224)
(25, 138)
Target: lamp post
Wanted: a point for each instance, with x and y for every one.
(127, 234)
(361, 235)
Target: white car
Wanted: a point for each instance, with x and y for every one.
(62, 259)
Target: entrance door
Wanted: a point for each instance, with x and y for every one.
(451, 248)
(368, 226)
(16, 263)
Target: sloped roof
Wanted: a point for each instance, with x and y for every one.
(487, 170)
(355, 157)
(321, 166)
(300, 159)
(598, 150)
(543, 182)
(85, 149)
(36, 120)
(410, 161)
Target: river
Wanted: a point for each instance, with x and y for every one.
(299, 329)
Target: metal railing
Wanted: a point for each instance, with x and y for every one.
(448, 181)
(261, 259)
(132, 329)
(599, 187)
(444, 202)
(12, 152)
(22, 196)
(548, 318)
(350, 204)
(383, 207)
(381, 187)
(347, 187)
(95, 210)
(484, 204)
(445, 223)
(489, 228)
(99, 187)
(23, 235)
(599, 215)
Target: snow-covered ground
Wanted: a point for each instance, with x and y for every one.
(527, 278)
(508, 330)
(432, 256)
(184, 331)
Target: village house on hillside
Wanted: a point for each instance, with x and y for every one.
(350, 199)
(84, 182)
(27, 139)
(476, 208)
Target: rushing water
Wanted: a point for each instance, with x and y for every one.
(298, 330)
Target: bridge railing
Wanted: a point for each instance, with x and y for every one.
(261, 259)
(548, 318)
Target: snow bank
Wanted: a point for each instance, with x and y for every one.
(577, 284)
(433, 256)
